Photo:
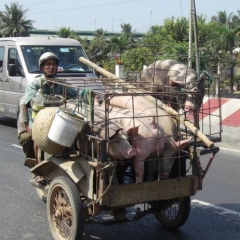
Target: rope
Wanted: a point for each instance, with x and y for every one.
(85, 100)
(110, 181)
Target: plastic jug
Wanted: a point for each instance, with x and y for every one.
(38, 103)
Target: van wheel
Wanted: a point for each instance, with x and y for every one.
(65, 210)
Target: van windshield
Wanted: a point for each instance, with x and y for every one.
(68, 58)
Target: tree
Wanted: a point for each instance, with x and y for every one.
(2, 25)
(66, 33)
(236, 19)
(120, 43)
(126, 28)
(15, 22)
(99, 33)
(223, 19)
(97, 50)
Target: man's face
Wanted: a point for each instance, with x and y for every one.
(49, 67)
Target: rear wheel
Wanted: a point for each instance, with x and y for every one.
(65, 210)
(172, 214)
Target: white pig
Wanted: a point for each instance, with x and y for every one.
(164, 121)
(145, 135)
(171, 73)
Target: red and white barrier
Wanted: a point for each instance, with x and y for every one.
(230, 108)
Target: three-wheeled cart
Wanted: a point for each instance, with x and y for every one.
(82, 182)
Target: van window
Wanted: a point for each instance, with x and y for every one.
(68, 58)
(1, 58)
(14, 64)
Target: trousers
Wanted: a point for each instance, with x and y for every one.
(25, 140)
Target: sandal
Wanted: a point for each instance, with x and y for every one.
(30, 162)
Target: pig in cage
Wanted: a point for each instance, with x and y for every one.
(130, 132)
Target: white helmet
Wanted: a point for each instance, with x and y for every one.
(47, 55)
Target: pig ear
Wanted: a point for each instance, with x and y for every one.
(182, 143)
(132, 131)
(177, 83)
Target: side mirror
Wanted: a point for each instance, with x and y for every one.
(15, 70)
(12, 69)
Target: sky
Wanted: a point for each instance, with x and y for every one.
(110, 14)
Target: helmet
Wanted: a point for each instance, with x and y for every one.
(46, 56)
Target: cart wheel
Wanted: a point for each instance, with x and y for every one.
(172, 214)
(65, 210)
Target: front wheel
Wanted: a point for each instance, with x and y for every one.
(172, 214)
(65, 210)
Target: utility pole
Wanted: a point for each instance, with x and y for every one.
(196, 36)
(190, 35)
(150, 22)
(193, 28)
(112, 24)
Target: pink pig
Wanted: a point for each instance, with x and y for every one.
(164, 122)
(145, 135)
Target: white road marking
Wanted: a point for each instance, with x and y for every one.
(229, 149)
(216, 207)
(15, 145)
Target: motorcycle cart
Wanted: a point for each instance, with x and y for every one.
(82, 181)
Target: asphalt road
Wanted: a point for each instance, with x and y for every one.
(215, 211)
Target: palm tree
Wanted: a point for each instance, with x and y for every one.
(65, 32)
(99, 33)
(201, 19)
(2, 25)
(236, 20)
(223, 19)
(15, 21)
(126, 28)
(121, 43)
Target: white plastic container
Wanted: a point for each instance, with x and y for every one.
(38, 103)
(65, 127)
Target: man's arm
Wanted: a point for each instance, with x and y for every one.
(31, 91)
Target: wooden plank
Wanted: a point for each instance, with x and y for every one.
(122, 195)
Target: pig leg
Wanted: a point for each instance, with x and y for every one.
(139, 168)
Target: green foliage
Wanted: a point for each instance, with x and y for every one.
(216, 41)
(109, 64)
(14, 22)
(97, 50)
(136, 58)
(66, 33)
(236, 79)
(178, 29)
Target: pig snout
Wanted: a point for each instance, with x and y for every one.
(164, 176)
(189, 107)
(131, 152)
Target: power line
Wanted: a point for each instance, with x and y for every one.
(93, 6)
(30, 4)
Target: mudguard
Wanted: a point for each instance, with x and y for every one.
(67, 164)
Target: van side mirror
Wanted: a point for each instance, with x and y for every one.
(15, 70)
(12, 69)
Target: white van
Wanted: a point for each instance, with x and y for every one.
(19, 66)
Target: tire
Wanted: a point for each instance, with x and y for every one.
(65, 210)
(172, 214)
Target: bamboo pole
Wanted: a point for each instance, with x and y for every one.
(160, 104)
